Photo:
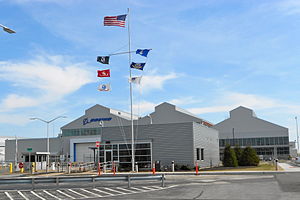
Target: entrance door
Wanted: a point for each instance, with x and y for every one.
(108, 158)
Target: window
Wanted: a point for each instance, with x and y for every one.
(202, 154)
(198, 154)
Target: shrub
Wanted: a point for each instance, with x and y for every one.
(238, 153)
(229, 159)
(249, 157)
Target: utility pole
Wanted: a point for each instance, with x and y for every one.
(233, 136)
(297, 134)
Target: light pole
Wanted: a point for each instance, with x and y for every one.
(47, 122)
(297, 134)
(6, 29)
(101, 123)
(150, 119)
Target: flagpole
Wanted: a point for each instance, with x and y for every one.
(112, 54)
(131, 114)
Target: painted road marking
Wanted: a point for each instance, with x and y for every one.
(147, 188)
(98, 195)
(86, 193)
(67, 195)
(35, 194)
(138, 189)
(6, 193)
(114, 190)
(110, 194)
(22, 195)
(126, 190)
(78, 193)
(51, 194)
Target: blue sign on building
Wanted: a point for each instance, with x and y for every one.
(86, 120)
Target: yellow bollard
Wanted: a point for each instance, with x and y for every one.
(22, 170)
(10, 168)
(32, 168)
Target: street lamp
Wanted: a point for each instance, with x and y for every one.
(6, 29)
(297, 134)
(47, 122)
(150, 118)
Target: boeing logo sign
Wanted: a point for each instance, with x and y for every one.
(86, 120)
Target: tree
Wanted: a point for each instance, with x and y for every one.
(229, 159)
(238, 153)
(249, 157)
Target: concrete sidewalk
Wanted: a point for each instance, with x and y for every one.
(287, 167)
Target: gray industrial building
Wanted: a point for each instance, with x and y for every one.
(243, 128)
(165, 135)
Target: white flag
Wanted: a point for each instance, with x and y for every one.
(136, 80)
(104, 87)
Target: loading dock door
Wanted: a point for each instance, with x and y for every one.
(83, 153)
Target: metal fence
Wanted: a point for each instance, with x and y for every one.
(72, 179)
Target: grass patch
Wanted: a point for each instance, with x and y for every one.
(262, 166)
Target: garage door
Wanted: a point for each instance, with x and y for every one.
(84, 153)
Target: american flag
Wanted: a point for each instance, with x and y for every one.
(115, 20)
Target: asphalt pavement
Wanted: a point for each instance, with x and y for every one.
(218, 187)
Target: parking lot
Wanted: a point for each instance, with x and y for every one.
(281, 186)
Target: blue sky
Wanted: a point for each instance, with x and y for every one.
(208, 57)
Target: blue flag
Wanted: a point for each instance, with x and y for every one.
(142, 52)
(139, 66)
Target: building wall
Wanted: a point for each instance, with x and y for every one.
(110, 118)
(170, 142)
(246, 124)
(208, 139)
(2, 146)
(37, 145)
(243, 124)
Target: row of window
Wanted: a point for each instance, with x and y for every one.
(255, 141)
(83, 131)
(122, 154)
(270, 151)
(200, 152)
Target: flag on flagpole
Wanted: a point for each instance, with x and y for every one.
(104, 87)
(115, 20)
(103, 59)
(139, 66)
(142, 52)
(104, 73)
(136, 80)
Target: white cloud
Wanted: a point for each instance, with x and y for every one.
(185, 101)
(231, 100)
(289, 7)
(13, 101)
(46, 79)
(153, 81)
(14, 119)
(143, 107)
(39, 1)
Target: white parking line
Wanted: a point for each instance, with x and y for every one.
(51, 195)
(148, 188)
(110, 194)
(67, 195)
(78, 193)
(6, 193)
(126, 190)
(35, 194)
(139, 189)
(98, 195)
(156, 187)
(114, 190)
(22, 195)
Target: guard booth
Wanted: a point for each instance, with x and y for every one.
(40, 159)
